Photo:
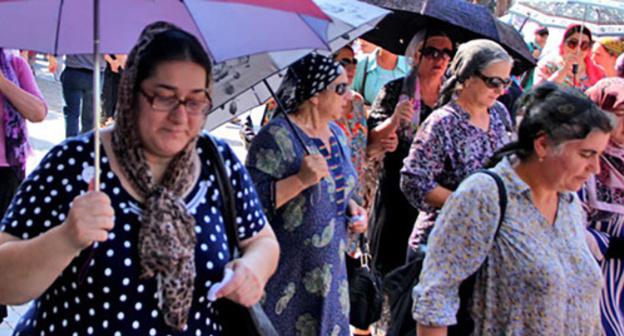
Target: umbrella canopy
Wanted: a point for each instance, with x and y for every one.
(227, 28)
(602, 17)
(242, 84)
(463, 21)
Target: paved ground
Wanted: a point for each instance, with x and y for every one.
(51, 131)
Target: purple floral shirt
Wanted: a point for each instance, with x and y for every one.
(446, 149)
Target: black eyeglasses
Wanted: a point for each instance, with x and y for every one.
(340, 88)
(345, 62)
(170, 103)
(494, 82)
(573, 43)
(435, 53)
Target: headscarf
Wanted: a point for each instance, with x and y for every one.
(305, 78)
(613, 45)
(594, 72)
(167, 236)
(15, 133)
(470, 57)
(606, 190)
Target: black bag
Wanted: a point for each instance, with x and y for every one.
(364, 288)
(236, 319)
(398, 286)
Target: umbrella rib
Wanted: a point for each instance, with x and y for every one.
(212, 57)
(58, 28)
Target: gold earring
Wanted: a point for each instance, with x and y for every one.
(540, 159)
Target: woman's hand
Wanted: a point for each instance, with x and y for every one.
(313, 169)
(245, 288)
(569, 61)
(390, 143)
(360, 225)
(89, 220)
(403, 111)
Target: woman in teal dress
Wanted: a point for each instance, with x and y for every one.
(307, 195)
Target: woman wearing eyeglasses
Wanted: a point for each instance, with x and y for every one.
(306, 182)
(140, 256)
(573, 65)
(457, 138)
(392, 216)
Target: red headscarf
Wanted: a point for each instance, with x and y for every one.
(594, 72)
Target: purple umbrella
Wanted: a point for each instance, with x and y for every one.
(227, 28)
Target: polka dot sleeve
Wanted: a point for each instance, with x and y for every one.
(43, 200)
(250, 217)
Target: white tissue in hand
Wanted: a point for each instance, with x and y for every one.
(228, 274)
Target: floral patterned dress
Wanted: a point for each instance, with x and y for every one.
(308, 295)
(446, 149)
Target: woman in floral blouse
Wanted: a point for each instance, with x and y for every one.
(457, 139)
(535, 274)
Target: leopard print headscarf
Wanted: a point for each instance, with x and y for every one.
(166, 238)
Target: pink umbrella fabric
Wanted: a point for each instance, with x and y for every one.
(227, 28)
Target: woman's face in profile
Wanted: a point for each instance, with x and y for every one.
(165, 132)
(572, 164)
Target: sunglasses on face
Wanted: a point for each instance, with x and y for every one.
(494, 82)
(573, 43)
(345, 62)
(435, 53)
(340, 88)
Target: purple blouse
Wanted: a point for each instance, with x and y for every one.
(446, 149)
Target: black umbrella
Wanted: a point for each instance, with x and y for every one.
(463, 21)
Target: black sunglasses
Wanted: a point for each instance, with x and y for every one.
(340, 88)
(345, 62)
(435, 53)
(494, 82)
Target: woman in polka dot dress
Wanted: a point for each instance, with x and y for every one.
(139, 257)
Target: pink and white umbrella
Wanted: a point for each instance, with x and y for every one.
(227, 28)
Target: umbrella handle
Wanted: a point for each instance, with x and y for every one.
(288, 120)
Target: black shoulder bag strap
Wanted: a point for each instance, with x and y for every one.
(465, 324)
(234, 315)
(364, 82)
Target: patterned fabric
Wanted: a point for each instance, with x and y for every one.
(166, 238)
(108, 296)
(551, 64)
(602, 226)
(539, 278)
(308, 295)
(447, 149)
(16, 137)
(305, 78)
(354, 127)
(612, 44)
(392, 216)
(605, 191)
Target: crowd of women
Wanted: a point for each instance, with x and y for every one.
(148, 253)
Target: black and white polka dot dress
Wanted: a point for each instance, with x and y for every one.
(100, 292)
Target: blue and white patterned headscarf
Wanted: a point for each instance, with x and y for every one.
(305, 78)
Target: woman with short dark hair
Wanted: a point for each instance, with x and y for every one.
(535, 274)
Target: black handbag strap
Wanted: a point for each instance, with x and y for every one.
(227, 194)
(364, 81)
(502, 197)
